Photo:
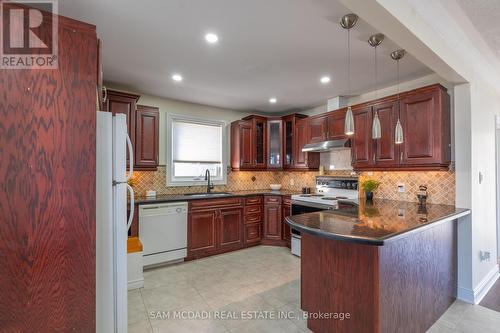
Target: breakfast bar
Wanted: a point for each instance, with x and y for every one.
(382, 266)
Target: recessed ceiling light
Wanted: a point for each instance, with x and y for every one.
(211, 38)
(273, 100)
(325, 79)
(177, 77)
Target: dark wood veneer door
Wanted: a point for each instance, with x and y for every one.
(418, 116)
(246, 145)
(386, 151)
(146, 137)
(362, 138)
(317, 129)
(202, 232)
(48, 189)
(300, 139)
(272, 222)
(287, 211)
(336, 121)
(231, 228)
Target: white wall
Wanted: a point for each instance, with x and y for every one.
(439, 35)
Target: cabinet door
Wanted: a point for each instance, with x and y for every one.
(202, 232)
(288, 134)
(274, 147)
(300, 139)
(259, 135)
(386, 151)
(362, 138)
(245, 145)
(287, 211)
(420, 118)
(146, 137)
(336, 122)
(272, 222)
(253, 233)
(231, 228)
(317, 129)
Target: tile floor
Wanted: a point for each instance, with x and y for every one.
(261, 278)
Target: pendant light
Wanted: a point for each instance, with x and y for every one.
(347, 22)
(374, 41)
(398, 135)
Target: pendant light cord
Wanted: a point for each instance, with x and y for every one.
(399, 102)
(349, 62)
(376, 73)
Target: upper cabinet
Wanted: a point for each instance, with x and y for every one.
(142, 127)
(146, 137)
(327, 126)
(260, 143)
(425, 117)
(274, 143)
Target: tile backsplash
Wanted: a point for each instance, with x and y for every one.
(440, 184)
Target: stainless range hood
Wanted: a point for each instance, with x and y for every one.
(327, 145)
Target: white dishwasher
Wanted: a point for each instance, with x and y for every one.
(163, 232)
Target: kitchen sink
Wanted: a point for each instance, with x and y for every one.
(208, 195)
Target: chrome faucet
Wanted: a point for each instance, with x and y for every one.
(210, 186)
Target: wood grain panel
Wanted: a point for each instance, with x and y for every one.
(338, 277)
(418, 279)
(231, 228)
(47, 190)
(147, 127)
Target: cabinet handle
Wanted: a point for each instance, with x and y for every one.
(373, 158)
(401, 156)
(104, 94)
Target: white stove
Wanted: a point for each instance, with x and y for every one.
(331, 193)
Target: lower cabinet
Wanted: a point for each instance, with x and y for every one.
(253, 233)
(230, 231)
(272, 218)
(253, 220)
(286, 230)
(214, 226)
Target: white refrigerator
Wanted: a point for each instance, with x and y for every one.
(111, 221)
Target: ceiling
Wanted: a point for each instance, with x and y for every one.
(485, 17)
(278, 48)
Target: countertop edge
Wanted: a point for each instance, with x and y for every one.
(376, 242)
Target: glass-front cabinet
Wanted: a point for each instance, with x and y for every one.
(275, 148)
(260, 142)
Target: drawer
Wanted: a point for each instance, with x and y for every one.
(273, 199)
(253, 218)
(252, 233)
(214, 203)
(253, 209)
(257, 200)
(287, 200)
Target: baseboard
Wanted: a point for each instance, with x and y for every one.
(476, 296)
(485, 285)
(135, 284)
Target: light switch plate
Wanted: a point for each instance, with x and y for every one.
(401, 188)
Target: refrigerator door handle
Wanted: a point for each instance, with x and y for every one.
(130, 158)
(132, 205)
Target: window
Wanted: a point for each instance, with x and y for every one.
(194, 146)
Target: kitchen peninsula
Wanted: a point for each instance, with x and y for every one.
(389, 264)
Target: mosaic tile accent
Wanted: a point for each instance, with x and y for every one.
(440, 184)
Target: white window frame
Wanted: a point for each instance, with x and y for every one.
(171, 181)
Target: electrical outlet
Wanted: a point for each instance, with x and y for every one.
(292, 182)
(401, 188)
(484, 255)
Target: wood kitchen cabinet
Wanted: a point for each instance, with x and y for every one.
(287, 211)
(335, 125)
(214, 226)
(146, 137)
(425, 118)
(248, 143)
(303, 160)
(362, 155)
(272, 220)
(259, 137)
(253, 220)
(317, 128)
(122, 102)
(274, 143)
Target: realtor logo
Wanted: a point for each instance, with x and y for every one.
(28, 34)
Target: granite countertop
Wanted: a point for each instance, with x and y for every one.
(181, 197)
(375, 223)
